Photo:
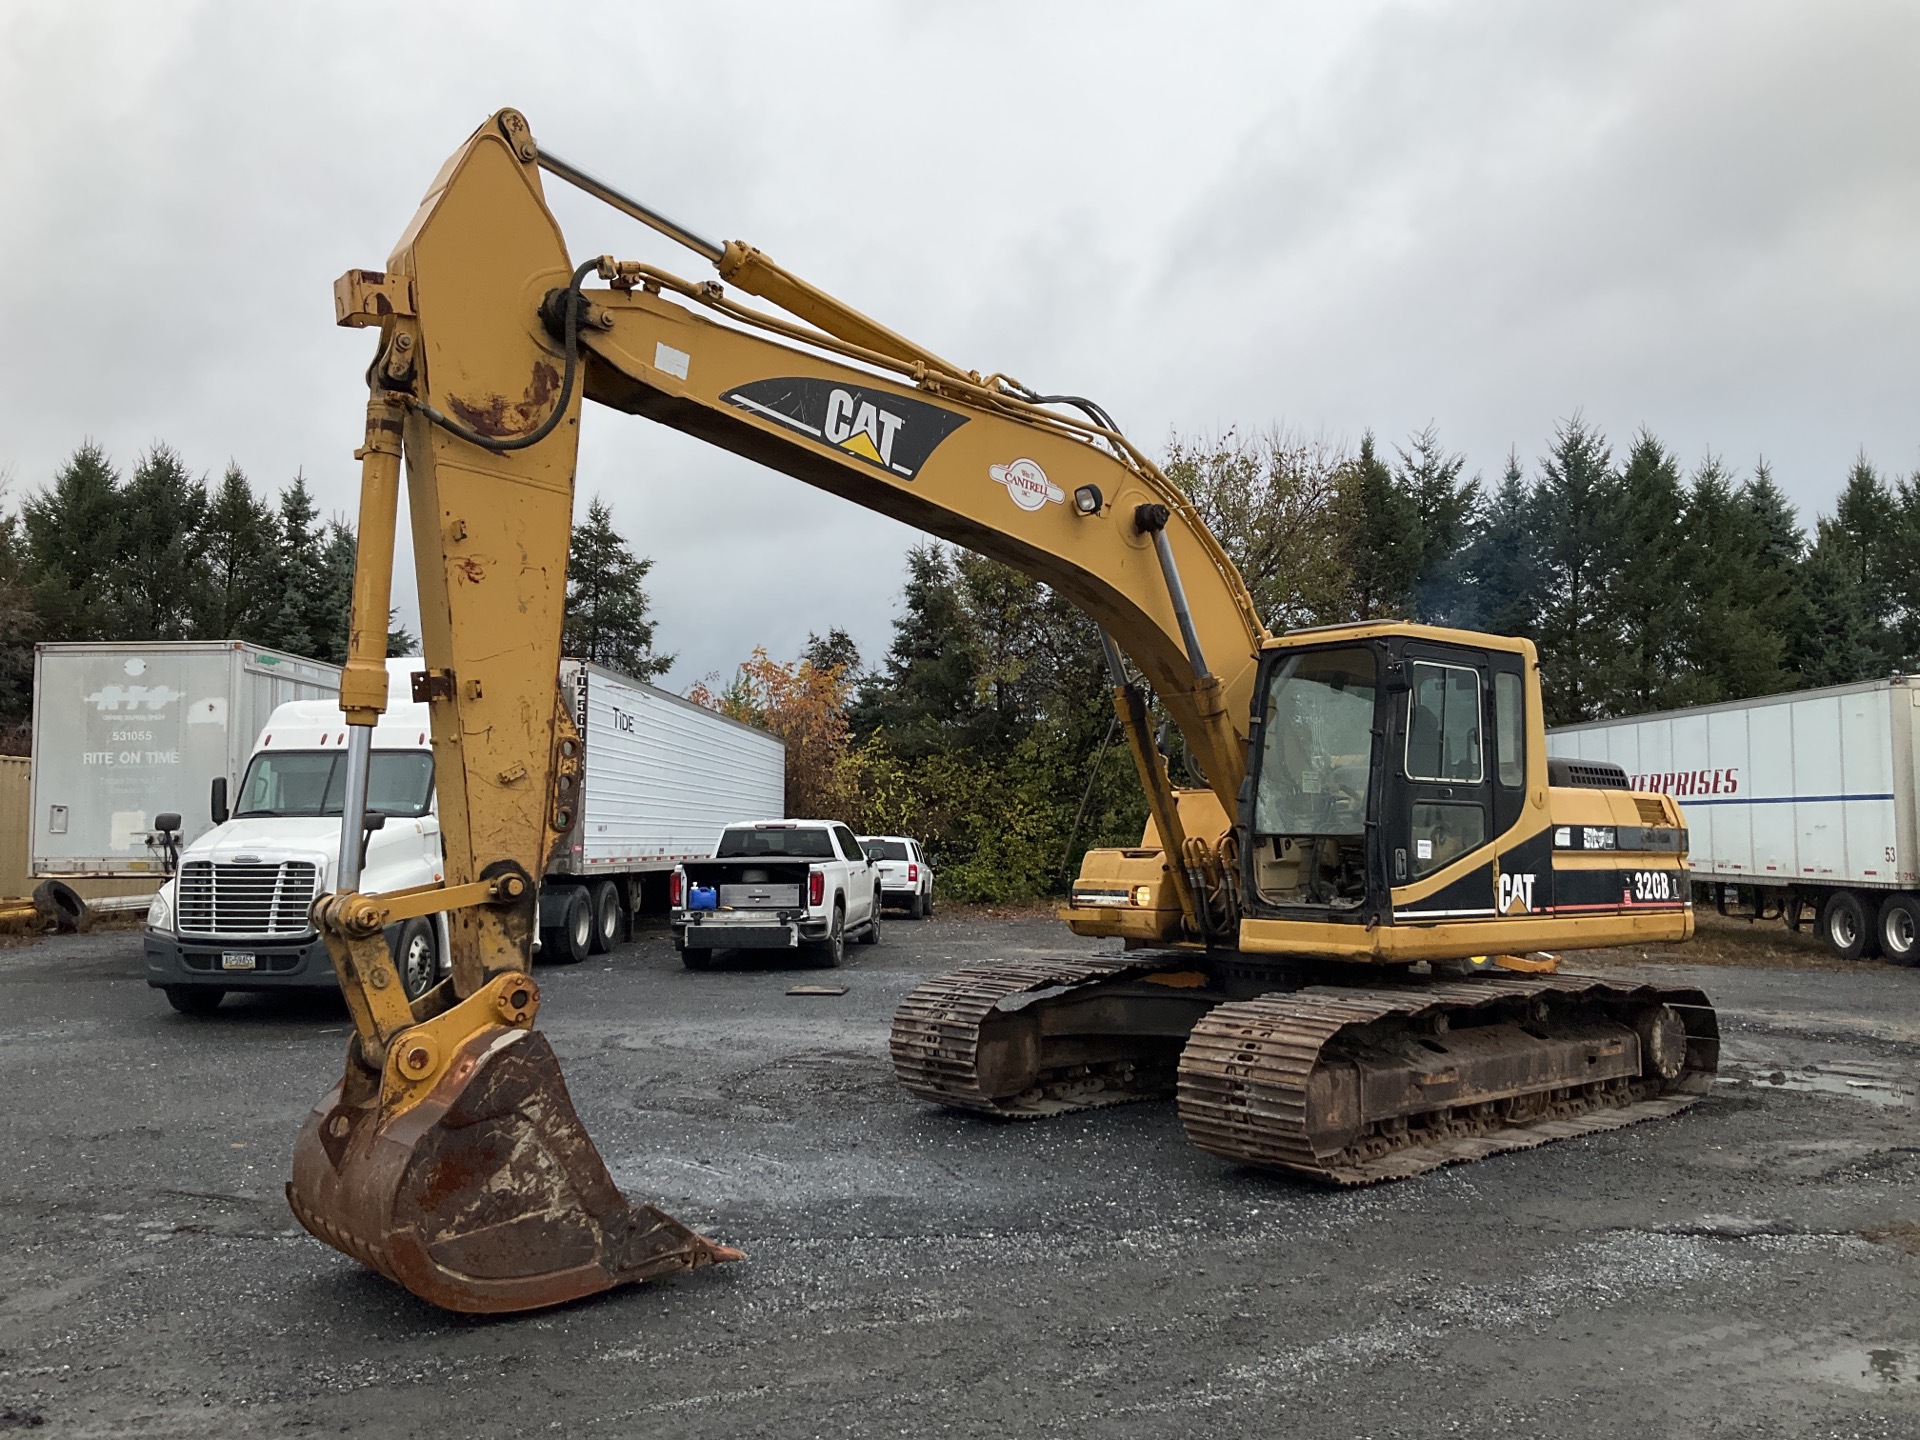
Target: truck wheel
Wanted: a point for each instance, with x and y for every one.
(1845, 928)
(416, 957)
(926, 906)
(917, 907)
(871, 936)
(606, 916)
(831, 953)
(194, 999)
(1900, 929)
(571, 941)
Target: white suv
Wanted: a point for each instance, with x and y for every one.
(905, 876)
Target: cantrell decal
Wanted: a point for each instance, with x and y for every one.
(1027, 483)
(890, 432)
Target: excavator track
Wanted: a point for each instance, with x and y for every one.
(1357, 1086)
(967, 1040)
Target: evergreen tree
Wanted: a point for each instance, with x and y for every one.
(1844, 640)
(834, 652)
(606, 600)
(1500, 568)
(1576, 507)
(331, 591)
(74, 537)
(1644, 590)
(1385, 534)
(924, 695)
(1745, 552)
(157, 585)
(298, 623)
(237, 541)
(19, 626)
(1444, 506)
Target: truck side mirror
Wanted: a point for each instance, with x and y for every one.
(371, 821)
(168, 823)
(217, 805)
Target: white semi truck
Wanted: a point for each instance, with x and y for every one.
(1802, 805)
(661, 776)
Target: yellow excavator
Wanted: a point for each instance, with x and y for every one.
(1331, 949)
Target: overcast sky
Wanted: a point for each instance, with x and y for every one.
(1698, 218)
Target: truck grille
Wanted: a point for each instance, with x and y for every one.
(269, 899)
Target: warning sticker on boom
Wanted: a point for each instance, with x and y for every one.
(890, 432)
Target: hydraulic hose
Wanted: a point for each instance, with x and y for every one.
(571, 329)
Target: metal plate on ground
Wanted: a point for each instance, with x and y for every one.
(818, 990)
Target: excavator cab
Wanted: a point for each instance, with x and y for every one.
(1380, 763)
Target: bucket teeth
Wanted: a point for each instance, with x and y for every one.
(486, 1195)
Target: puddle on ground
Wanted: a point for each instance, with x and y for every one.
(1876, 1368)
(1858, 1080)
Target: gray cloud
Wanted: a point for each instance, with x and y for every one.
(1694, 217)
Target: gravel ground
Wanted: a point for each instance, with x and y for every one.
(1747, 1269)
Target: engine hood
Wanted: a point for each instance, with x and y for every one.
(269, 837)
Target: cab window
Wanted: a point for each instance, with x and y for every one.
(1509, 730)
(1443, 724)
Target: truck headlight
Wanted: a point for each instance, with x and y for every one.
(160, 911)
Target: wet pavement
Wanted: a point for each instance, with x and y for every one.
(1750, 1268)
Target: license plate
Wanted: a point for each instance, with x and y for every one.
(238, 960)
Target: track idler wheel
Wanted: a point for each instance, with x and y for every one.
(476, 1187)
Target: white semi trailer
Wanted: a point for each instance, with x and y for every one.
(661, 777)
(1802, 805)
(124, 733)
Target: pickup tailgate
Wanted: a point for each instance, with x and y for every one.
(761, 904)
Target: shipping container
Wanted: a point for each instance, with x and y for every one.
(125, 732)
(1801, 804)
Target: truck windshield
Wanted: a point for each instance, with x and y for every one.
(884, 849)
(313, 782)
(781, 843)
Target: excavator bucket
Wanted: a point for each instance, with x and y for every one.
(484, 1194)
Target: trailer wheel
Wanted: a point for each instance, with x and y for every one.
(606, 916)
(571, 941)
(1900, 929)
(1845, 928)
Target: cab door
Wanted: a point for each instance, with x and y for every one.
(1440, 801)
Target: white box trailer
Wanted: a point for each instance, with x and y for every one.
(125, 732)
(1802, 803)
(662, 776)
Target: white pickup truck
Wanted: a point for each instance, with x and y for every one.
(777, 885)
